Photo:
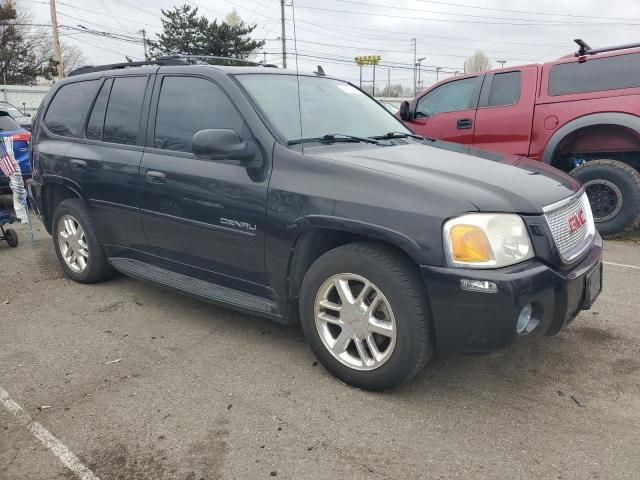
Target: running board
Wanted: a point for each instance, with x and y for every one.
(194, 287)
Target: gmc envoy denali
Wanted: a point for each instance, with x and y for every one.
(302, 199)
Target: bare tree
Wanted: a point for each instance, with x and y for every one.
(478, 62)
(72, 57)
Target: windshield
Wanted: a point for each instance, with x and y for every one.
(327, 106)
(7, 123)
(16, 114)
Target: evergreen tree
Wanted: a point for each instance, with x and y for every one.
(185, 32)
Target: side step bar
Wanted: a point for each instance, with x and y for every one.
(197, 288)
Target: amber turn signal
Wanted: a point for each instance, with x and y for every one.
(469, 244)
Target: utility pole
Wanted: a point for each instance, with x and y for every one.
(415, 64)
(144, 43)
(360, 76)
(56, 38)
(501, 62)
(284, 37)
(438, 74)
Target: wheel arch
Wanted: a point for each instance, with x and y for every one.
(620, 122)
(319, 234)
(54, 191)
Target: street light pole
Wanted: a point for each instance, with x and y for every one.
(419, 67)
(415, 61)
(284, 36)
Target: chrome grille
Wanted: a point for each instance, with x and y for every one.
(570, 244)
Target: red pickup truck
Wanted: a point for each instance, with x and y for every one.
(580, 113)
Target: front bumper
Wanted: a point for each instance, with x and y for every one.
(466, 321)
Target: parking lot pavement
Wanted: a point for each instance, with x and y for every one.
(146, 384)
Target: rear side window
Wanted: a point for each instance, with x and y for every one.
(595, 75)
(96, 118)
(505, 89)
(7, 123)
(68, 107)
(189, 104)
(122, 121)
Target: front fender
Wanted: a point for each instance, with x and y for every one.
(361, 228)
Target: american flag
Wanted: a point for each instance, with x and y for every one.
(6, 164)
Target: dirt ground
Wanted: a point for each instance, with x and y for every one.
(146, 384)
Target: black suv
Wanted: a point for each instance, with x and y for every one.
(300, 198)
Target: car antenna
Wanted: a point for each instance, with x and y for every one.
(295, 47)
(320, 71)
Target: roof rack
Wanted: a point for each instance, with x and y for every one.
(119, 66)
(168, 60)
(585, 49)
(222, 60)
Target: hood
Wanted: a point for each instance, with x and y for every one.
(492, 182)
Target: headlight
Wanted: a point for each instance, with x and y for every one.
(486, 240)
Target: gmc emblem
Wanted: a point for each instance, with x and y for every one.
(577, 221)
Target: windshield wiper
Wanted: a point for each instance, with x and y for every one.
(334, 138)
(391, 135)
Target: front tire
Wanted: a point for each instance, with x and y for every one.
(613, 189)
(364, 313)
(76, 243)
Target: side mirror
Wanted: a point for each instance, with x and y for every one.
(405, 111)
(219, 144)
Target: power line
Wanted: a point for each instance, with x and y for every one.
(107, 15)
(450, 20)
(421, 10)
(506, 10)
(421, 35)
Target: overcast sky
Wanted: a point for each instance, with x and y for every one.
(446, 31)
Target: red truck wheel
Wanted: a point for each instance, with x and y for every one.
(613, 188)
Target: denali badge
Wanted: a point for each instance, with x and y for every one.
(577, 221)
(236, 224)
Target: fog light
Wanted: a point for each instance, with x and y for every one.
(478, 286)
(524, 319)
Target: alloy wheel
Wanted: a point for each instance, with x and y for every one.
(73, 244)
(355, 321)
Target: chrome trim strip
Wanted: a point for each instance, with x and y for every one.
(562, 203)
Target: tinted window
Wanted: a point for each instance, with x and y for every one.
(450, 97)
(596, 74)
(505, 89)
(123, 111)
(68, 107)
(7, 123)
(96, 118)
(189, 104)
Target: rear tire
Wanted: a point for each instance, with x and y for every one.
(613, 188)
(386, 323)
(76, 243)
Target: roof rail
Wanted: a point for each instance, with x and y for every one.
(585, 49)
(119, 66)
(222, 60)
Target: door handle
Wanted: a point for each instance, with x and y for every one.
(78, 164)
(155, 177)
(464, 124)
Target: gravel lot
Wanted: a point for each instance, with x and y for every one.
(194, 391)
